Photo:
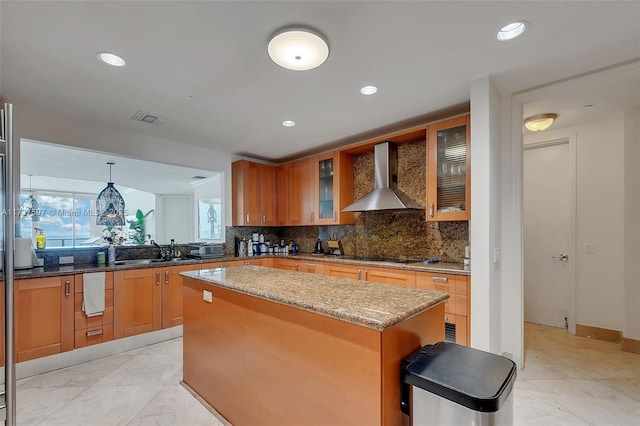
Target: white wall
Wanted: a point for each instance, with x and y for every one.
(173, 220)
(600, 289)
(632, 222)
(56, 127)
(486, 151)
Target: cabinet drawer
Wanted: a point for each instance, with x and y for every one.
(81, 321)
(93, 335)
(312, 267)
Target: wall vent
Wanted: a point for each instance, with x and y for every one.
(147, 118)
(198, 177)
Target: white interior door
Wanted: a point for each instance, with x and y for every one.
(547, 234)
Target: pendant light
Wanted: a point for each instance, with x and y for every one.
(30, 207)
(110, 205)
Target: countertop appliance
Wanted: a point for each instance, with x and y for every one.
(205, 250)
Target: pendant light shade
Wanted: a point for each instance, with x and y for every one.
(110, 205)
(30, 207)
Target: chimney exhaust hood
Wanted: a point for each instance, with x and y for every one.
(386, 195)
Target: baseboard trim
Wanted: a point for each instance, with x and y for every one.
(631, 345)
(90, 353)
(598, 333)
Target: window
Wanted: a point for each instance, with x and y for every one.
(66, 218)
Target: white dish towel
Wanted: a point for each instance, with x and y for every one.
(93, 288)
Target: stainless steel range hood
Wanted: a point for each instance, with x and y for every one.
(386, 195)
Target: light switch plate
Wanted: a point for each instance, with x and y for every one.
(207, 296)
(65, 260)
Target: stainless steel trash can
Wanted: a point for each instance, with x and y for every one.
(448, 384)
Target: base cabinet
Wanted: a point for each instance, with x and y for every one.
(43, 316)
(456, 308)
(95, 329)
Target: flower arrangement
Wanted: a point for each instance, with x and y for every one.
(114, 235)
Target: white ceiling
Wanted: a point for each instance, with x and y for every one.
(55, 167)
(421, 55)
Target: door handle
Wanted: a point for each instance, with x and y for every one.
(563, 257)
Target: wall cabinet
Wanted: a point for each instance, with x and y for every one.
(283, 191)
(456, 308)
(301, 192)
(43, 316)
(95, 329)
(333, 188)
(253, 194)
(147, 299)
(448, 170)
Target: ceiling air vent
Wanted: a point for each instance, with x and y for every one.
(198, 177)
(147, 118)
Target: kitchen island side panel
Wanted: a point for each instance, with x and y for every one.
(260, 362)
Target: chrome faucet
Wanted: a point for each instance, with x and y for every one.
(172, 249)
(163, 254)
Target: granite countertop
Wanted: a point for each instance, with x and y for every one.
(372, 305)
(52, 271)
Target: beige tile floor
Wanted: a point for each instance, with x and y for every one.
(570, 380)
(567, 380)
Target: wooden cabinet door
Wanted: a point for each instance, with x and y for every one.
(172, 294)
(391, 276)
(286, 264)
(43, 316)
(301, 192)
(226, 264)
(137, 301)
(245, 193)
(283, 207)
(333, 188)
(344, 271)
(267, 179)
(449, 170)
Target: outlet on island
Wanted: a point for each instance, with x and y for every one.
(207, 296)
(65, 260)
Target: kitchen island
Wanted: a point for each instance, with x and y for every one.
(280, 347)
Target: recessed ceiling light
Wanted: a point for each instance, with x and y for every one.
(298, 49)
(368, 90)
(512, 30)
(540, 122)
(111, 59)
(288, 123)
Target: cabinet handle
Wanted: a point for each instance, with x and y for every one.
(166, 277)
(431, 209)
(311, 217)
(223, 265)
(247, 219)
(366, 275)
(334, 215)
(311, 265)
(359, 273)
(440, 279)
(297, 266)
(264, 218)
(67, 286)
(94, 333)
(157, 277)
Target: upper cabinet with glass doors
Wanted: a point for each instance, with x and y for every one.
(448, 170)
(333, 188)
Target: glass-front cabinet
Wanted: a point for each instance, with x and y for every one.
(448, 171)
(333, 188)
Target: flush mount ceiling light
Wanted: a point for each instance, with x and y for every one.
(368, 90)
(111, 59)
(512, 30)
(288, 123)
(298, 49)
(540, 122)
(110, 205)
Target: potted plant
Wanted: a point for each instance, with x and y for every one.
(136, 227)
